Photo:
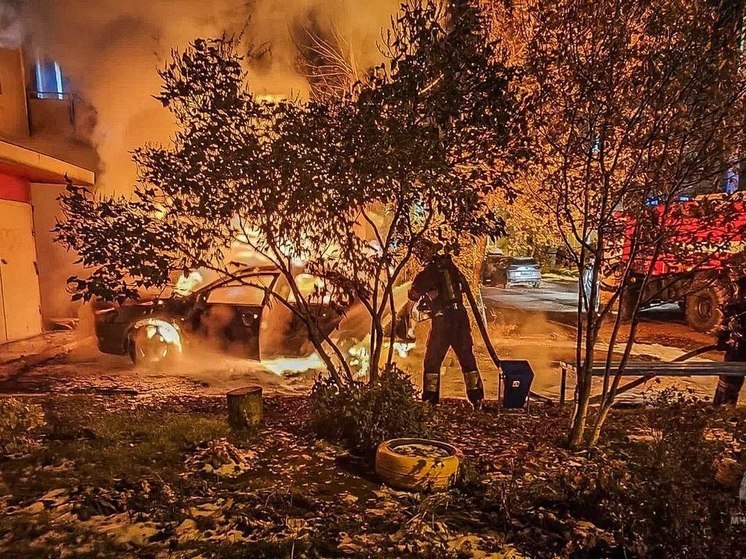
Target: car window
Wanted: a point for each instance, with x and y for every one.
(307, 285)
(251, 291)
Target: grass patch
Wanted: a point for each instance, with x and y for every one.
(89, 446)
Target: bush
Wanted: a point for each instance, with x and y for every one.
(362, 416)
(18, 421)
(656, 493)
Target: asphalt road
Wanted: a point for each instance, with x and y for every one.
(557, 298)
(554, 305)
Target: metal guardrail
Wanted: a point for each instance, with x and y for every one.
(650, 369)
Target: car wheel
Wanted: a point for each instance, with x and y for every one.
(153, 344)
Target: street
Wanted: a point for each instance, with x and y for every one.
(533, 324)
(557, 299)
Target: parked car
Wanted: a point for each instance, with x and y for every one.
(237, 315)
(507, 271)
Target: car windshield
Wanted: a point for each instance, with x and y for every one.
(251, 291)
(523, 261)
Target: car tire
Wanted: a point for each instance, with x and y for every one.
(417, 473)
(704, 308)
(132, 350)
(141, 358)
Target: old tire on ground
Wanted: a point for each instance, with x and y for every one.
(704, 308)
(417, 464)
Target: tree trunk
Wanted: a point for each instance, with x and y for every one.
(245, 407)
(580, 417)
(603, 413)
(470, 262)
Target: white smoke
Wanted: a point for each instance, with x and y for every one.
(110, 51)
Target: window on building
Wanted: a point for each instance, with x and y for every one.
(49, 80)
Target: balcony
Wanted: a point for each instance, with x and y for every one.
(64, 115)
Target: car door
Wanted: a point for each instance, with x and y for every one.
(284, 332)
(233, 311)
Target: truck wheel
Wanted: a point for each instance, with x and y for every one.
(703, 309)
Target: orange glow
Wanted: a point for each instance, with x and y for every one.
(186, 284)
(283, 365)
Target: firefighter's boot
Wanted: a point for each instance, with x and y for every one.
(431, 388)
(474, 388)
(727, 391)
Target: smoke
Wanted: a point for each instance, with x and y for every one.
(359, 23)
(110, 52)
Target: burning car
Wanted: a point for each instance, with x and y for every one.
(237, 314)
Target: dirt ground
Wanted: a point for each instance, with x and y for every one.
(129, 476)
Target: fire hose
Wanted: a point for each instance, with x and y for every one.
(479, 319)
(694, 353)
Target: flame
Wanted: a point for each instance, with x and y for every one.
(402, 349)
(360, 360)
(283, 365)
(186, 284)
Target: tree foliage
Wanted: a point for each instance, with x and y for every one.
(341, 187)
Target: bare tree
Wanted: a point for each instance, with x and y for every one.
(636, 103)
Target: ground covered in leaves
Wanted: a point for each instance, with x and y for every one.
(116, 476)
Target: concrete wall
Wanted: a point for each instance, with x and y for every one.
(55, 263)
(14, 188)
(13, 113)
(61, 128)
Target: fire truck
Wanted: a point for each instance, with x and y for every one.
(691, 252)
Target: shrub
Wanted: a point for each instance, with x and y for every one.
(655, 493)
(362, 416)
(18, 421)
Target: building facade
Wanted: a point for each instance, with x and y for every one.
(41, 145)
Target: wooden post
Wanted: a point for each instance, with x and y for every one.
(245, 407)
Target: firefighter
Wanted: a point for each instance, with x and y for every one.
(732, 340)
(439, 287)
